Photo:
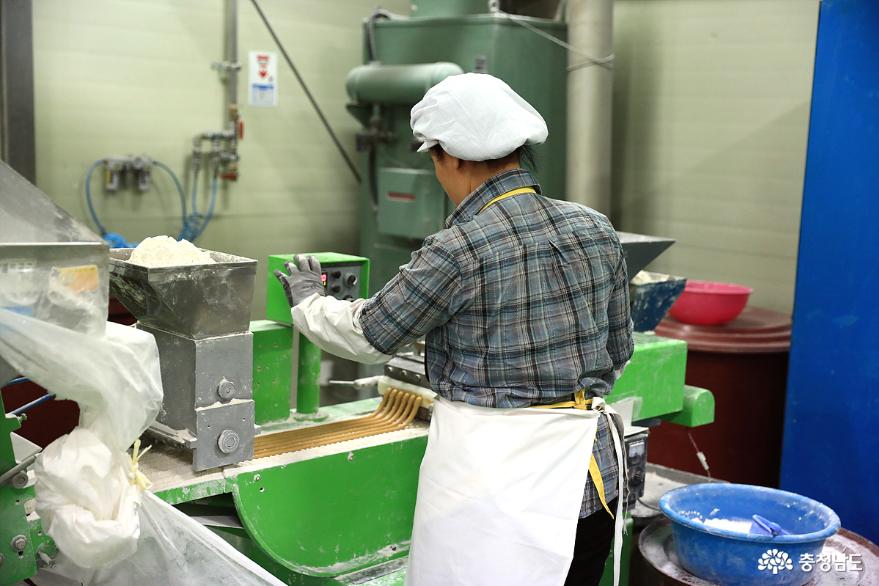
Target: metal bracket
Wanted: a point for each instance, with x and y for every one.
(225, 66)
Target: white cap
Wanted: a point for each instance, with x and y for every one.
(476, 117)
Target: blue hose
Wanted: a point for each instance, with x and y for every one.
(185, 232)
(88, 197)
(32, 404)
(215, 184)
(196, 222)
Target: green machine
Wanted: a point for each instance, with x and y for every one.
(345, 277)
(339, 513)
(401, 201)
(342, 513)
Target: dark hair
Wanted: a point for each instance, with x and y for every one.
(524, 154)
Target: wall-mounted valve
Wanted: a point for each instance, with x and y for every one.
(120, 171)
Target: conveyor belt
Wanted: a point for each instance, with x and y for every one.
(396, 410)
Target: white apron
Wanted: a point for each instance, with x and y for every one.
(499, 495)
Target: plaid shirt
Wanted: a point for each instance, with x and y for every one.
(521, 302)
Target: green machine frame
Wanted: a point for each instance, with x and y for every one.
(401, 201)
(336, 270)
(343, 514)
(339, 514)
(22, 541)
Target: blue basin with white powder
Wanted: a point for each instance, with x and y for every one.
(711, 522)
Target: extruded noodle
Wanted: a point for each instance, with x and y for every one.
(396, 410)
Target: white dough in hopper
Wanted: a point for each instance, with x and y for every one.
(164, 251)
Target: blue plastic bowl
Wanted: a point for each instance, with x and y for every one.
(732, 558)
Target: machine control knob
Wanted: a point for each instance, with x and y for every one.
(228, 441)
(350, 279)
(335, 288)
(19, 542)
(336, 274)
(226, 389)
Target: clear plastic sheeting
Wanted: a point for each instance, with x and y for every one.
(51, 266)
(89, 492)
(115, 378)
(176, 550)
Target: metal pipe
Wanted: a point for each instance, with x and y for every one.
(232, 59)
(590, 93)
(12, 472)
(396, 84)
(36, 402)
(17, 381)
(232, 109)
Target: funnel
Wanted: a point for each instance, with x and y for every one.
(198, 301)
(641, 249)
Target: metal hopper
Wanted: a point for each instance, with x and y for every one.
(198, 301)
(641, 249)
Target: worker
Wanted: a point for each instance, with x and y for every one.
(524, 303)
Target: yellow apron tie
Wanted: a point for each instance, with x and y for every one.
(581, 402)
(135, 476)
(502, 196)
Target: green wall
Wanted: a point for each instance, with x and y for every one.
(134, 76)
(711, 106)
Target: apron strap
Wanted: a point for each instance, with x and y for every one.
(595, 475)
(581, 402)
(503, 196)
(618, 522)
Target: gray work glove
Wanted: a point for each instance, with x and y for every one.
(303, 279)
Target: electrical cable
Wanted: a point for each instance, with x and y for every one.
(703, 460)
(606, 62)
(370, 31)
(308, 94)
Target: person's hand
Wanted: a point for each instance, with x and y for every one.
(302, 279)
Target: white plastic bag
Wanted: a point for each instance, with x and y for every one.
(86, 500)
(115, 378)
(109, 531)
(85, 494)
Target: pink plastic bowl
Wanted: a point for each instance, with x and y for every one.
(707, 303)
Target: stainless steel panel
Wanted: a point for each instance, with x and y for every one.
(194, 370)
(235, 420)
